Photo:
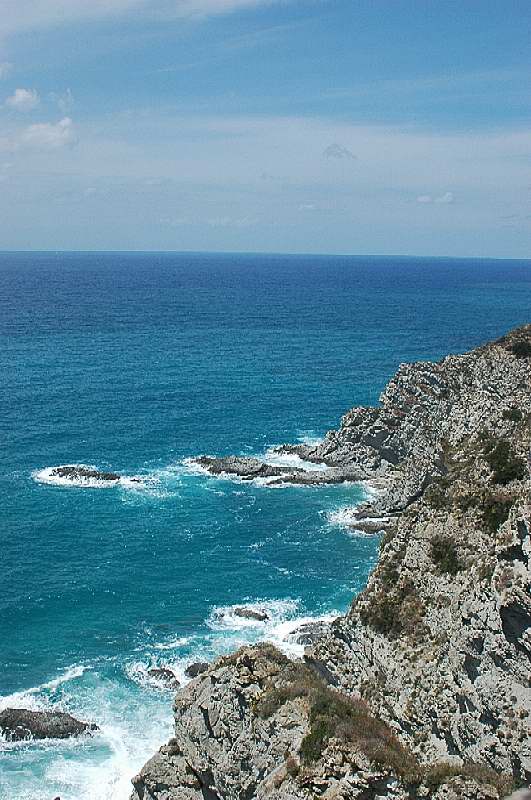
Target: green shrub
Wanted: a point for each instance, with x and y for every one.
(512, 414)
(505, 465)
(521, 348)
(297, 681)
(495, 512)
(467, 501)
(439, 774)
(335, 716)
(393, 611)
(444, 555)
(437, 494)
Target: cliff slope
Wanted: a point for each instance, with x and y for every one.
(423, 689)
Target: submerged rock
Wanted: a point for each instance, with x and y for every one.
(165, 676)
(18, 724)
(196, 668)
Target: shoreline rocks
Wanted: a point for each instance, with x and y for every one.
(19, 724)
(422, 689)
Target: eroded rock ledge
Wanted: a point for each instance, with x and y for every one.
(423, 689)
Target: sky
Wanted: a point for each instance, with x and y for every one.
(310, 126)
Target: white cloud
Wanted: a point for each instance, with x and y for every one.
(23, 100)
(447, 197)
(49, 135)
(5, 69)
(19, 15)
(338, 151)
(444, 199)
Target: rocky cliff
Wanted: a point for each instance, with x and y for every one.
(423, 689)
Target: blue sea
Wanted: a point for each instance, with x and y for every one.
(137, 363)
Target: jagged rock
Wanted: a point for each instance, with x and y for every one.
(251, 613)
(436, 649)
(248, 469)
(165, 676)
(74, 473)
(18, 724)
(243, 466)
(309, 632)
(197, 668)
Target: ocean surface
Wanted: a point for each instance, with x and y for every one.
(136, 363)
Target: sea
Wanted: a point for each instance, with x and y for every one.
(137, 363)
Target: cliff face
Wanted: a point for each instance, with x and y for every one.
(423, 688)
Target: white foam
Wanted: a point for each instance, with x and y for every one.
(223, 617)
(283, 620)
(172, 644)
(35, 698)
(309, 438)
(344, 517)
(273, 457)
(193, 467)
(133, 724)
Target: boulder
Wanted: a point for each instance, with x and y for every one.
(18, 724)
(251, 613)
(196, 668)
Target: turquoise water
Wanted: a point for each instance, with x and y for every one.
(136, 362)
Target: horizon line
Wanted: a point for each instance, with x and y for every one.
(57, 251)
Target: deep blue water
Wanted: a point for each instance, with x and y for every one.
(134, 362)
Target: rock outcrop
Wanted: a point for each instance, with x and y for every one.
(423, 689)
(75, 473)
(247, 468)
(17, 724)
(164, 676)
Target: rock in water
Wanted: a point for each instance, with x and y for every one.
(19, 723)
(197, 668)
(251, 613)
(75, 473)
(165, 676)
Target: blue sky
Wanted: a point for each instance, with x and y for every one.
(344, 126)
